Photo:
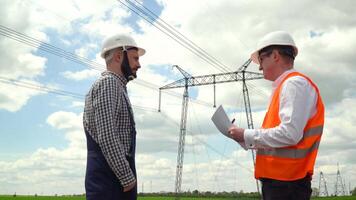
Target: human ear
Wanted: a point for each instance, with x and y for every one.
(117, 56)
(275, 55)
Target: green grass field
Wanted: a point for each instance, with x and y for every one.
(3, 197)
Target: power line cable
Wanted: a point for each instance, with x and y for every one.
(25, 39)
(30, 41)
(42, 88)
(173, 34)
(38, 87)
(159, 19)
(164, 24)
(159, 28)
(171, 29)
(178, 34)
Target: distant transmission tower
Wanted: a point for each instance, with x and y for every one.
(323, 189)
(345, 188)
(339, 186)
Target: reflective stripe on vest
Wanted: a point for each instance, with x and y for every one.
(314, 131)
(288, 153)
(295, 153)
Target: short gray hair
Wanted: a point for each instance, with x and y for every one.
(110, 54)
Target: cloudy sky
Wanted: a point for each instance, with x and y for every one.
(43, 147)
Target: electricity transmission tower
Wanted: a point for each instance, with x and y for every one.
(339, 186)
(212, 79)
(323, 189)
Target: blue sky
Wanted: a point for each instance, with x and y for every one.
(41, 133)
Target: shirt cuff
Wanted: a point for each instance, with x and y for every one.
(128, 179)
(249, 135)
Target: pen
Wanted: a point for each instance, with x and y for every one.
(233, 120)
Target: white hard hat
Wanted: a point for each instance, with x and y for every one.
(274, 38)
(120, 40)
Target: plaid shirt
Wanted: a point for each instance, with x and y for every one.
(107, 119)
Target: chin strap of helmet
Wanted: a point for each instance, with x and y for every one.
(126, 69)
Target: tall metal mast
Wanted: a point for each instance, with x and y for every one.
(248, 111)
(339, 186)
(183, 125)
(190, 81)
(323, 189)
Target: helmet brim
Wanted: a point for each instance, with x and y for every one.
(140, 51)
(254, 55)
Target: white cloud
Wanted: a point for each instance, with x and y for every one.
(107, 23)
(85, 50)
(64, 120)
(81, 75)
(78, 104)
(23, 63)
(17, 60)
(13, 101)
(50, 170)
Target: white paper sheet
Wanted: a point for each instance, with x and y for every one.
(223, 123)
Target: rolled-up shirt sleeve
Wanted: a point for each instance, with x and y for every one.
(106, 103)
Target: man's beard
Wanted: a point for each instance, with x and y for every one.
(126, 69)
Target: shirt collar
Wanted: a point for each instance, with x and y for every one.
(121, 78)
(281, 77)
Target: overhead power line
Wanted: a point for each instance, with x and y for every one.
(174, 34)
(33, 42)
(42, 88)
(152, 18)
(25, 39)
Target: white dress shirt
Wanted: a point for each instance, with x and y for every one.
(297, 101)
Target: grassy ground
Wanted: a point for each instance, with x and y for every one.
(337, 198)
(2, 197)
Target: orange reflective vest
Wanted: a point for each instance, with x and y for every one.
(292, 162)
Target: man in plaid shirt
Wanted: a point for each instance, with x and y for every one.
(109, 124)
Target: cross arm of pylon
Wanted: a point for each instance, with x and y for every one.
(213, 79)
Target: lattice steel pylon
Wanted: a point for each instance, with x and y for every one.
(248, 111)
(183, 130)
(190, 81)
(323, 189)
(339, 186)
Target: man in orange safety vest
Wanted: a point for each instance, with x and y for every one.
(287, 143)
